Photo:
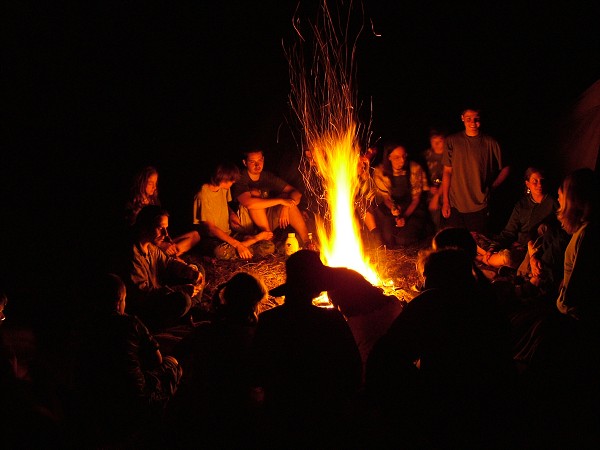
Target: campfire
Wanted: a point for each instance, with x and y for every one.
(323, 99)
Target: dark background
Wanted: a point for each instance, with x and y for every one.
(96, 90)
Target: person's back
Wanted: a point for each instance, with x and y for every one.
(218, 394)
(305, 358)
(459, 341)
(367, 309)
(308, 356)
(122, 380)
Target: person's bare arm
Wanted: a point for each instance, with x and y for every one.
(247, 200)
(292, 193)
(214, 230)
(502, 176)
(446, 180)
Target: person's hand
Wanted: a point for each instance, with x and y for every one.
(284, 217)
(234, 221)
(287, 202)
(400, 222)
(486, 257)
(446, 210)
(264, 236)
(243, 251)
(536, 266)
(169, 248)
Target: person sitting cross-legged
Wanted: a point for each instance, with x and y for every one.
(222, 234)
(266, 201)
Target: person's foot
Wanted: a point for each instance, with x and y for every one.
(264, 236)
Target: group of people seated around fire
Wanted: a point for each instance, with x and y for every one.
(497, 349)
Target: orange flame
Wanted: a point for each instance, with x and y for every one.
(323, 98)
(337, 160)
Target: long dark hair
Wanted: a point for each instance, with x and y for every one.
(386, 164)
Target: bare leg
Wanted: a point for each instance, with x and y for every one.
(260, 219)
(297, 222)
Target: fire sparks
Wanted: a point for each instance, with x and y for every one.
(324, 100)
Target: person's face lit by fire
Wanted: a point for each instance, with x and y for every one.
(151, 185)
(437, 144)
(536, 184)
(471, 121)
(398, 158)
(561, 198)
(160, 230)
(255, 162)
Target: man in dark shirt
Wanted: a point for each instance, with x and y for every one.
(266, 201)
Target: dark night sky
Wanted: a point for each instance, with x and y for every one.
(95, 90)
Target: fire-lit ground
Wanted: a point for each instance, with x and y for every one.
(396, 268)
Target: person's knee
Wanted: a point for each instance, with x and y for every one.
(225, 252)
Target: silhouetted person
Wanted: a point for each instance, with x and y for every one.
(306, 360)
(443, 374)
(26, 420)
(368, 310)
(123, 382)
(216, 405)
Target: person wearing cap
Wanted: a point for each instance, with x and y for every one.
(305, 358)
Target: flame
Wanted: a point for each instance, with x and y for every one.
(337, 160)
(323, 98)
